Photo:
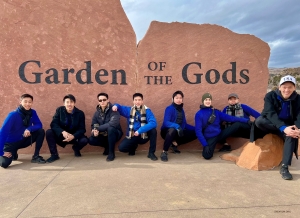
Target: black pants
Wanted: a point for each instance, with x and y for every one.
(171, 134)
(36, 136)
(290, 143)
(109, 141)
(130, 145)
(243, 132)
(53, 139)
(208, 151)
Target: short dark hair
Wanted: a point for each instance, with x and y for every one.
(26, 96)
(178, 93)
(70, 96)
(137, 95)
(102, 94)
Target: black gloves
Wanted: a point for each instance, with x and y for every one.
(180, 132)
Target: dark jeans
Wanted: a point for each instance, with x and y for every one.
(243, 132)
(53, 139)
(208, 151)
(130, 145)
(290, 144)
(171, 134)
(109, 141)
(36, 136)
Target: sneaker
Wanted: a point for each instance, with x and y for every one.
(131, 153)
(175, 149)
(15, 156)
(38, 159)
(285, 174)
(76, 152)
(52, 158)
(164, 156)
(225, 148)
(110, 157)
(152, 156)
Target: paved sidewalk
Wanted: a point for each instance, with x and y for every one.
(134, 187)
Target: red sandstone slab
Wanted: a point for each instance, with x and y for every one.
(197, 59)
(94, 38)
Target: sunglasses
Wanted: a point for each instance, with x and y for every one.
(100, 100)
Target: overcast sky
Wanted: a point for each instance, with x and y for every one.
(276, 22)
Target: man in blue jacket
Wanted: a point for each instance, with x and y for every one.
(20, 129)
(235, 108)
(175, 130)
(208, 126)
(281, 116)
(141, 126)
(106, 128)
(67, 127)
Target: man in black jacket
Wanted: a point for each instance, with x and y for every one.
(67, 127)
(281, 116)
(106, 129)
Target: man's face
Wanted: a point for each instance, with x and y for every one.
(26, 103)
(287, 89)
(69, 104)
(233, 101)
(207, 102)
(178, 99)
(103, 101)
(138, 101)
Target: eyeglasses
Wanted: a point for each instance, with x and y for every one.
(100, 100)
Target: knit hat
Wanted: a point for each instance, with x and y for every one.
(205, 96)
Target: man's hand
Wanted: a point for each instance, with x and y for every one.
(114, 108)
(7, 154)
(26, 133)
(65, 134)
(136, 133)
(292, 131)
(69, 138)
(95, 132)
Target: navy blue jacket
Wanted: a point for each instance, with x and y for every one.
(13, 128)
(170, 119)
(214, 129)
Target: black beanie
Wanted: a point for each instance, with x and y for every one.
(205, 96)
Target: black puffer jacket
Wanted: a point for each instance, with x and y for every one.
(60, 122)
(272, 108)
(106, 118)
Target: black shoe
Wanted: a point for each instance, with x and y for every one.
(15, 156)
(225, 148)
(52, 158)
(285, 174)
(76, 151)
(131, 153)
(110, 157)
(164, 156)
(105, 152)
(38, 159)
(152, 156)
(175, 149)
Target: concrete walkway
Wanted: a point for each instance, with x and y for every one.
(134, 187)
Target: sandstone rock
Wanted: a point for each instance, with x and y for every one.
(79, 34)
(167, 49)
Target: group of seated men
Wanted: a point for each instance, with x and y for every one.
(281, 116)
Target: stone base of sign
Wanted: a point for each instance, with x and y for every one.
(263, 154)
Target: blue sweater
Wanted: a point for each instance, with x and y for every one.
(214, 129)
(170, 119)
(150, 119)
(248, 111)
(12, 129)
